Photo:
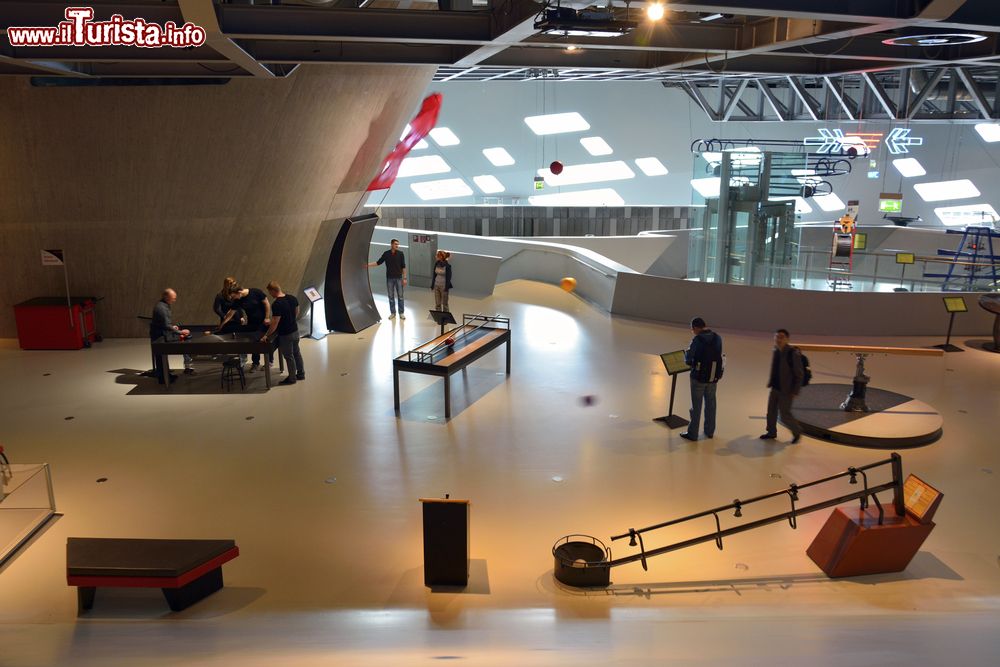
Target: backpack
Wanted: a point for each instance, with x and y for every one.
(807, 374)
(710, 363)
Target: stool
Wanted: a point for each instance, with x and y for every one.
(232, 368)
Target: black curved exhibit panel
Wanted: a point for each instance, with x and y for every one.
(347, 291)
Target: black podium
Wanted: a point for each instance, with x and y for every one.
(442, 318)
(675, 364)
(446, 542)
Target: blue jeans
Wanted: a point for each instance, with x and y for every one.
(702, 391)
(395, 285)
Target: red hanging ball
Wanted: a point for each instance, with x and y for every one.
(556, 167)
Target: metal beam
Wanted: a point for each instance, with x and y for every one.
(202, 13)
(699, 99)
(727, 112)
(840, 97)
(880, 95)
(811, 107)
(978, 99)
(779, 109)
(925, 92)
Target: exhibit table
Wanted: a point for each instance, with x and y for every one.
(26, 504)
(991, 303)
(204, 343)
(452, 351)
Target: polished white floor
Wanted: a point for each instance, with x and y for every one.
(320, 491)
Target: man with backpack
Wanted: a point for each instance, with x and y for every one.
(788, 376)
(704, 356)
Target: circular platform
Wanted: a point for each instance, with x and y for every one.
(895, 421)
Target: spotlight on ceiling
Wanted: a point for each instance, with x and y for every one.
(938, 39)
(655, 11)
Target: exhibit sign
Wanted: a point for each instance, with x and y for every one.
(890, 202)
(860, 240)
(955, 304)
(905, 258)
(312, 294)
(674, 362)
(853, 208)
(53, 258)
(920, 498)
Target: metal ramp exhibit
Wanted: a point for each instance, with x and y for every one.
(584, 561)
(975, 256)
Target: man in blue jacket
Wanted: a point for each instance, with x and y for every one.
(704, 356)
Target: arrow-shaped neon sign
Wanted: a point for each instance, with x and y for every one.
(834, 140)
(899, 141)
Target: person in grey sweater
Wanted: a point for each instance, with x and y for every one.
(785, 383)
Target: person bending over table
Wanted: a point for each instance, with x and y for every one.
(257, 309)
(162, 326)
(284, 325)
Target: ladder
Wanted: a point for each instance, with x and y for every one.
(975, 255)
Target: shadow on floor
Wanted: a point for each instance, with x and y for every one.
(752, 447)
(980, 344)
(467, 387)
(149, 604)
(205, 380)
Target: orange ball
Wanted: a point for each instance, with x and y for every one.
(568, 284)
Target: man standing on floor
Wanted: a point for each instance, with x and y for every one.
(395, 276)
(704, 356)
(785, 383)
(284, 323)
(162, 326)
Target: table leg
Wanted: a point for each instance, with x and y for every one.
(447, 397)
(85, 598)
(508, 356)
(267, 372)
(395, 389)
(165, 365)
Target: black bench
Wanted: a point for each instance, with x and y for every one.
(186, 570)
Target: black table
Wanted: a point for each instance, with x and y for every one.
(213, 344)
(477, 336)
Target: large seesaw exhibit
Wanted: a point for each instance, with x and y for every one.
(855, 542)
(865, 416)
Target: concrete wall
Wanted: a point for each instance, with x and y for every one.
(153, 186)
(799, 311)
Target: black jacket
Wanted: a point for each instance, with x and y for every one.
(705, 349)
(162, 325)
(447, 275)
(788, 363)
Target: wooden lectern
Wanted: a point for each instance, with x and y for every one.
(446, 542)
(853, 543)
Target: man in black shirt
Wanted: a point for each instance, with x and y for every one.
(284, 324)
(162, 326)
(257, 309)
(395, 276)
(785, 383)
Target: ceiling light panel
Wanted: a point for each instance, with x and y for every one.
(829, 203)
(423, 166)
(498, 157)
(488, 183)
(945, 190)
(651, 166)
(596, 146)
(594, 172)
(909, 167)
(444, 137)
(599, 197)
(990, 132)
(970, 214)
(557, 123)
(443, 189)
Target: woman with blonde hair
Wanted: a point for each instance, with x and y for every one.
(442, 280)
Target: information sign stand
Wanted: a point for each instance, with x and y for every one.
(442, 318)
(675, 365)
(952, 304)
(314, 297)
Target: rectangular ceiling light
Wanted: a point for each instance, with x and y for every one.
(600, 197)
(909, 167)
(420, 144)
(990, 132)
(596, 146)
(944, 190)
(829, 203)
(443, 189)
(707, 187)
(444, 137)
(971, 214)
(594, 172)
(422, 166)
(488, 183)
(557, 123)
(498, 157)
(651, 166)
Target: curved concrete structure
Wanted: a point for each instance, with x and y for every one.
(152, 186)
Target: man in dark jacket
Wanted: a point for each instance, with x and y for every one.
(395, 276)
(785, 383)
(704, 356)
(162, 326)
